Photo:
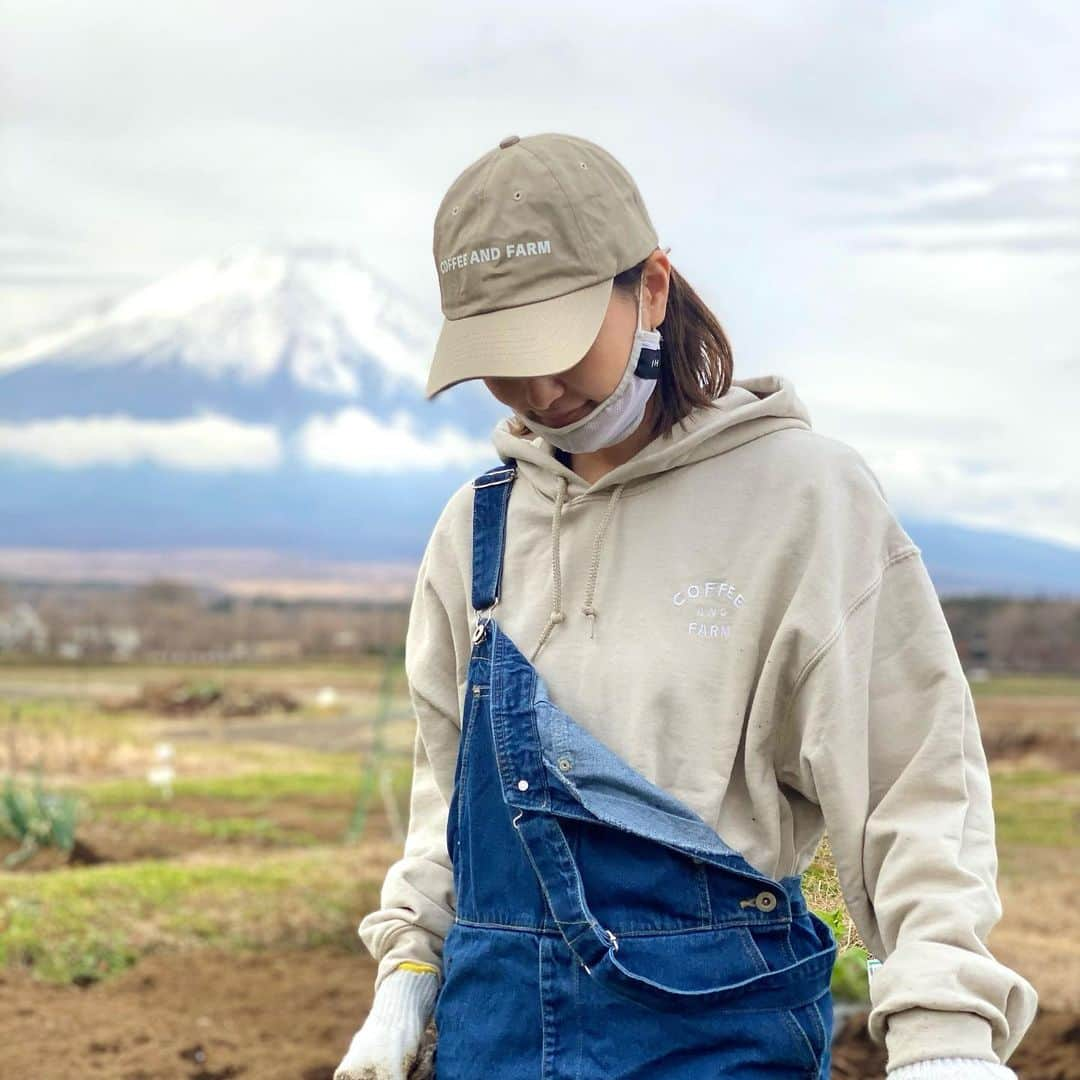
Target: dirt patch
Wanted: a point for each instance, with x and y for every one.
(1038, 729)
(205, 698)
(1051, 749)
(188, 823)
(1039, 934)
(199, 1015)
(211, 1015)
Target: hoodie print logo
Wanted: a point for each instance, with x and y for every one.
(708, 608)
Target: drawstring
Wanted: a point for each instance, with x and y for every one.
(587, 609)
(557, 614)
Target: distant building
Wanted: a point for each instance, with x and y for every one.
(125, 641)
(21, 630)
(117, 642)
(272, 649)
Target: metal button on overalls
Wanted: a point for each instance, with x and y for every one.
(603, 930)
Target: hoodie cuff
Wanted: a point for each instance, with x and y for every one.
(952, 1068)
(407, 943)
(914, 1035)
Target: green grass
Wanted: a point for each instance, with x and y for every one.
(87, 923)
(40, 715)
(46, 710)
(219, 828)
(1022, 685)
(257, 789)
(1028, 779)
(361, 671)
(1036, 807)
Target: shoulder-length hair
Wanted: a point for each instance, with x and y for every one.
(696, 361)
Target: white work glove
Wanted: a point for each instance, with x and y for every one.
(388, 1044)
(952, 1068)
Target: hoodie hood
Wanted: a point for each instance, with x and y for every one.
(750, 408)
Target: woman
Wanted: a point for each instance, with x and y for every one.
(654, 653)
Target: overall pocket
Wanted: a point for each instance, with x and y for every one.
(690, 961)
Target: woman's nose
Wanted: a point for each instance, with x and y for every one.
(542, 391)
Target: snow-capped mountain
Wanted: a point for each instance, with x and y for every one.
(267, 393)
(273, 399)
(254, 333)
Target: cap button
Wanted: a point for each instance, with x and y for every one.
(509, 141)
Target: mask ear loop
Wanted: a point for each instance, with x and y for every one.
(641, 297)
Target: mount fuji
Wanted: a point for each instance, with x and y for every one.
(257, 334)
(268, 396)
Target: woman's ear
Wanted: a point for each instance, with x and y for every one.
(657, 276)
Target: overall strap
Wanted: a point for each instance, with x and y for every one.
(491, 494)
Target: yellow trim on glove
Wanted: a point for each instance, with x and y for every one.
(418, 965)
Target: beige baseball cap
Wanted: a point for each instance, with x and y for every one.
(527, 242)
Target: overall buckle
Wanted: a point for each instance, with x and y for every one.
(481, 627)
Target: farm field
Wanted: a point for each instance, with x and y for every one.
(203, 925)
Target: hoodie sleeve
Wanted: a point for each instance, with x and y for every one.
(417, 899)
(890, 749)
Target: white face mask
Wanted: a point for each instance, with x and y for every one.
(620, 413)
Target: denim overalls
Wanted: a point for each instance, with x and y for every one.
(602, 928)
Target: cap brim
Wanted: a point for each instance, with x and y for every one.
(533, 339)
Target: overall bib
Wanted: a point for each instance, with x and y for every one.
(603, 930)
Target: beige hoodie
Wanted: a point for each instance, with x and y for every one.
(738, 614)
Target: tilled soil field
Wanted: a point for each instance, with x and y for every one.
(212, 1014)
(215, 1015)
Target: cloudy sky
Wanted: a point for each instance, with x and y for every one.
(880, 201)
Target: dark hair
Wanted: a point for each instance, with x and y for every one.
(696, 361)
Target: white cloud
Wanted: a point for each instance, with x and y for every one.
(354, 440)
(206, 443)
(971, 471)
(939, 482)
(1023, 201)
